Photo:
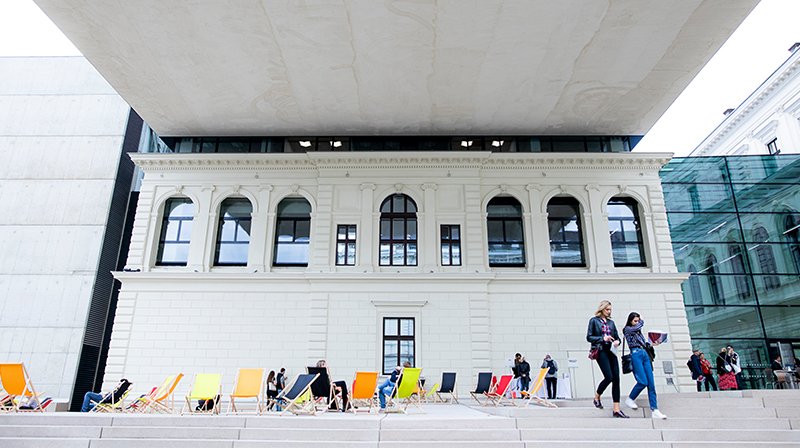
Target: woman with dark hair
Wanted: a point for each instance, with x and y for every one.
(641, 365)
(727, 379)
(602, 334)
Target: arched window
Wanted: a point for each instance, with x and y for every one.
(714, 282)
(176, 231)
(293, 232)
(625, 232)
(233, 232)
(695, 291)
(792, 233)
(504, 230)
(737, 267)
(766, 259)
(398, 244)
(566, 235)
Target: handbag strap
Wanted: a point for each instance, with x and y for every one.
(623, 342)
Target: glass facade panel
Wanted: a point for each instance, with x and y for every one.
(734, 223)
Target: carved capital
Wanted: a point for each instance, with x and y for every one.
(592, 187)
(265, 187)
(430, 186)
(367, 187)
(398, 188)
(533, 187)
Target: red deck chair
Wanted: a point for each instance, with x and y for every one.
(497, 394)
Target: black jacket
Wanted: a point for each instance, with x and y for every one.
(524, 369)
(694, 366)
(594, 334)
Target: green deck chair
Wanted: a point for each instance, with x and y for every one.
(207, 386)
(407, 390)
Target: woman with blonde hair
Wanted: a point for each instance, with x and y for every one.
(602, 334)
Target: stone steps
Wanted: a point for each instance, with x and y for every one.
(731, 420)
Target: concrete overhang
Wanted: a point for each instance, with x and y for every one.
(398, 67)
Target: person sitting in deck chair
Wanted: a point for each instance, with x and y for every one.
(91, 399)
(387, 388)
(339, 386)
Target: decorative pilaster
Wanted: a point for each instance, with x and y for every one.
(427, 237)
(203, 228)
(366, 234)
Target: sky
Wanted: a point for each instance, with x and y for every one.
(751, 54)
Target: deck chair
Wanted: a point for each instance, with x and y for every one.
(207, 387)
(322, 389)
(406, 390)
(535, 388)
(111, 406)
(497, 394)
(163, 400)
(297, 395)
(135, 405)
(249, 384)
(22, 396)
(448, 387)
(483, 386)
(362, 393)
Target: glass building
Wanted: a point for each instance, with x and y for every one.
(735, 225)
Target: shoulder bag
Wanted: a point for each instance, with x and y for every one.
(627, 362)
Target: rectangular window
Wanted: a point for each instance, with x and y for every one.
(398, 342)
(346, 245)
(772, 147)
(451, 245)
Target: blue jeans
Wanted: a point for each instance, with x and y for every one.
(643, 372)
(88, 398)
(385, 390)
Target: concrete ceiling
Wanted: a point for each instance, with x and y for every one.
(399, 67)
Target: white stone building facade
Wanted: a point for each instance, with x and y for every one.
(767, 122)
(468, 318)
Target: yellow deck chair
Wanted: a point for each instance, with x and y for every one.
(362, 394)
(537, 385)
(249, 384)
(407, 390)
(207, 386)
(111, 407)
(18, 387)
(163, 400)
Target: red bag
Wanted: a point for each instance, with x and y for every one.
(594, 353)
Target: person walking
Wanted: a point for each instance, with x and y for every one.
(708, 373)
(602, 335)
(551, 377)
(727, 379)
(641, 364)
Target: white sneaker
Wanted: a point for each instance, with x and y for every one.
(658, 414)
(631, 404)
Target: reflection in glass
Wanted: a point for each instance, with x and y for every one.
(293, 232)
(176, 231)
(792, 235)
(398, 227)
(625, 232)
(398, 342)
(346, 245)
(450, 245)
(766, 258)
(504, 231)
(714, 285)
(566, 236)
(233, 232)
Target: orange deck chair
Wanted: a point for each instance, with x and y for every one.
(249, 384)
(362, 394)
(18, 387)
(163, 401)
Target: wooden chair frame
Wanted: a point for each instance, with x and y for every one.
(19, 389)
(497, 393)
(535, 387)
(412, 398)
(483, 386)
(215, 399)
(259, 396)
(370, 379)
(163, 400)
(446, 389)
(303, 400)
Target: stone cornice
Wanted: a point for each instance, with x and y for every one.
(788, 70)
(416, 160)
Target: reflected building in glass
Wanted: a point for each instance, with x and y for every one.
(735, 226)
